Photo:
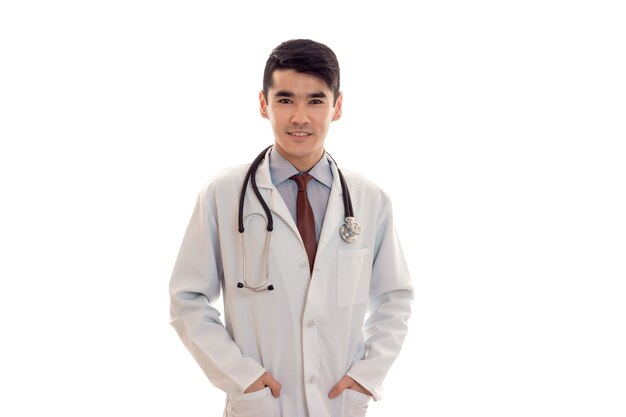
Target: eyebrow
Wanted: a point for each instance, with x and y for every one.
(289, 94)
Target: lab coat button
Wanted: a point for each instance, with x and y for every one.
(311, 380)
(304, 265)
(311, 323)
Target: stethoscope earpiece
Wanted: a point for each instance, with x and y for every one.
(269, 287)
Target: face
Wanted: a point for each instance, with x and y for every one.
(300, 109)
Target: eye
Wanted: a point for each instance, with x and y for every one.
(316, 101)
(284, 101)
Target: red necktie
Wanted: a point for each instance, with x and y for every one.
(304, 217)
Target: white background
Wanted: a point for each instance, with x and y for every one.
(497, 127)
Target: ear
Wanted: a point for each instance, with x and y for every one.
(262, 105)
(338, 105)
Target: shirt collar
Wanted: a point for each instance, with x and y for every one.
(281, 169)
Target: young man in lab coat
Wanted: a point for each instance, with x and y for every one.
(320, 340)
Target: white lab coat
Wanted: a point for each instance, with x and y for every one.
(348, 317)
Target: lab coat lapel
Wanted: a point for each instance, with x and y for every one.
(334, 213)
(271, 195)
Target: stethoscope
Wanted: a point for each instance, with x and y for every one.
(349, 231)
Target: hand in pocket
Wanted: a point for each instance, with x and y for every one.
(265, 380)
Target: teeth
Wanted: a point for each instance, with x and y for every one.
(299, 134)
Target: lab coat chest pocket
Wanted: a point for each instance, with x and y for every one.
(354, 268)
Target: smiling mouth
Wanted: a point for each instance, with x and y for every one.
(299, 134)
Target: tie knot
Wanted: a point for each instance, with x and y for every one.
(302, 180)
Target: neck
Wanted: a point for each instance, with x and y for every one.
(301, 163)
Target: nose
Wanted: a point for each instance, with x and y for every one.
(300, 116)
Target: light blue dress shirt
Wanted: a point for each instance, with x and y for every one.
(317, 190)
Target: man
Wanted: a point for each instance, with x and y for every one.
(313, 322)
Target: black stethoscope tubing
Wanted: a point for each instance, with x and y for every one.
(251, 177)
(348, 232)
(252, 174)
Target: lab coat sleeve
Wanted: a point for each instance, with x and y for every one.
(390, 297)
(194, 288)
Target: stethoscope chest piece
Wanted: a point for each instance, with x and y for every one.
(350, 230)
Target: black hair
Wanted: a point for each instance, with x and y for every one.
(306, 56)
